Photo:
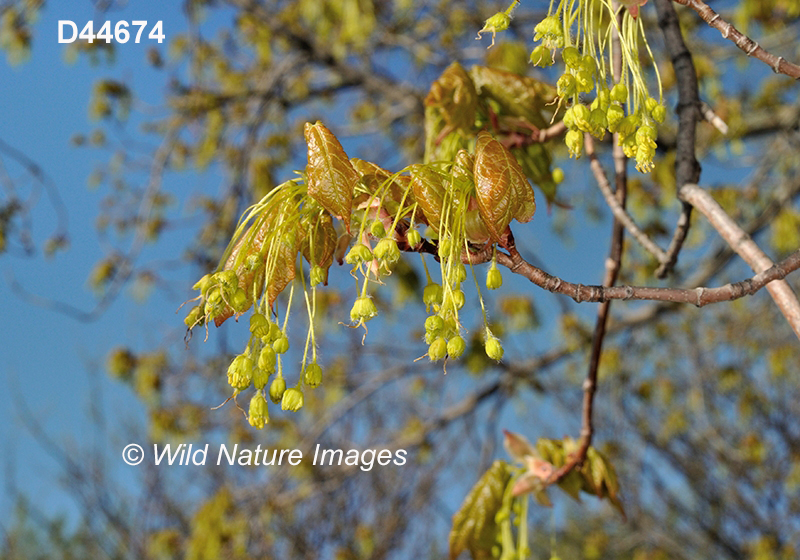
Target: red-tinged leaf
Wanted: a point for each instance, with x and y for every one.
(374, 179)
(517, 96)
(331, 176)
(454, 95)
(428, 187)
(284, 270)
(474, 526)
(493, 184)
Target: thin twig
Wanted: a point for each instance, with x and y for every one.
(687, 168)
(620, 214)
(746, 248)
(778, 64)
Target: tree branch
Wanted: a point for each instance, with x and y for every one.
(746, 248)
(778, 64)
(620, 214)
(687, 168)
(700, 296)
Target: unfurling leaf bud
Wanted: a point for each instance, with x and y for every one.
(292, 399)
(312, 375)
(456, 347)
(276, 389)
(437, 349)
(258, 414)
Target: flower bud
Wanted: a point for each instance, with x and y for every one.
(494, 279)
(571, 57)
(584, 81)
(541, 56)
(358, 254)
(377, 229)
(460, 273)
(363, 309)
(194, 317)
(203, 284)
(565, 86)
(276, 389)
(498, 22)
(434, 324)
(619, 93)
(266, 359)
(258, 414)
(292, 399)
(493, 348)
(659, 113)
(387, 250)
(614, 115)
(437, 349)
(445, 244)
(259, 325)
(239, 300)
(456, 347)
(281, 345)
(558, 175)
(458, 298)
(413, 238)
(313, 375)
(260, 378)
(317, 275)
(432, 294)
(240, 372)
(574, 141)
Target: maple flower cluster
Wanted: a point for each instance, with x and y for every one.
(581, 30)
(464, 207)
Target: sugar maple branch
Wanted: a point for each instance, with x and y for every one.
(616, 207)
(687, 168)
(746, 248)
(778, 64)
(700, 296)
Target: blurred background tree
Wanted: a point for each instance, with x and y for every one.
(695, 407)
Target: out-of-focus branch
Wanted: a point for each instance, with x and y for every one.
(620, 214)
(778, 64)
(687, 168)
(746, 248)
